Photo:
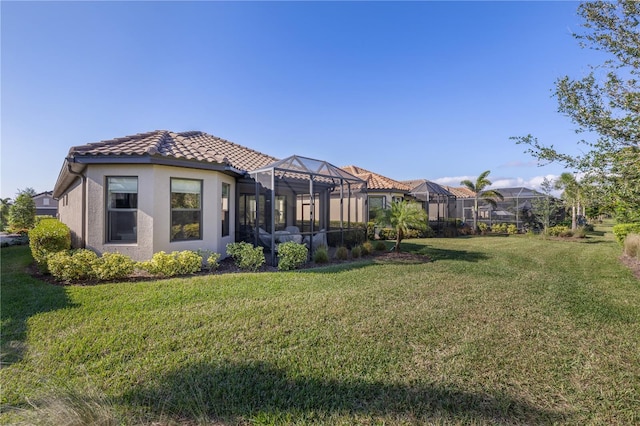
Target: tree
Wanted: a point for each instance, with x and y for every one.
(403, 216)
(22, 214)
(606, 102)
(571, 195)
(5, 206)
(546, 207)
(489, 196)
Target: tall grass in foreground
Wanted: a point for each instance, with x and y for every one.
(496, 330)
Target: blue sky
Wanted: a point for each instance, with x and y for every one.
(407, 89)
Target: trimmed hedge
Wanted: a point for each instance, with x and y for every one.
(291, 255)
(49, 236)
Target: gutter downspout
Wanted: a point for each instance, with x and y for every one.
(83, 242)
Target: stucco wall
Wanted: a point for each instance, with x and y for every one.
(70, 211)
(154, 212)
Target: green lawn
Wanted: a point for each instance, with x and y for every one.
(496, 330)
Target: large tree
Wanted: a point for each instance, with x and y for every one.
(489, 196)
(403, 216)
(605, 102)
(5, 207)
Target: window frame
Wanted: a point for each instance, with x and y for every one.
(109, 210)
(225, 214)
(172, 211)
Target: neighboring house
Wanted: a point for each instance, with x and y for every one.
(166, 191)
(517, 207)
(381, 190)
(438, 202)
(46, 205)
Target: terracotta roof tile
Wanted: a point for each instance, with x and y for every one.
(460, 191)
(376, 181)
(196, 146)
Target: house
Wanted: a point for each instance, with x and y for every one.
(438, 202)
(166, 191)
(518, 206)
(46, 205)
(381, 191)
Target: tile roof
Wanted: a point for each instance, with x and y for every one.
(460, 191)
(376, 181)
(194, 146)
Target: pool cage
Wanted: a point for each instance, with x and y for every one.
(439, 203)
(298, 199)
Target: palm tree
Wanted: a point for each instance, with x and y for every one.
(403, 216)
(488, 196)
(571, 195)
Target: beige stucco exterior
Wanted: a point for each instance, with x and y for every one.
(154, 212)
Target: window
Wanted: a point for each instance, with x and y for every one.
(45, 201)
(375, 205)
(122, 209)
(226, 190)
(186, 209)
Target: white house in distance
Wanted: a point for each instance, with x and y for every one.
(167, 191)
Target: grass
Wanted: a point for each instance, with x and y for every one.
(510, 330)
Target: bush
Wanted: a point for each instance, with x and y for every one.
(621, 230)
(342, 253)
(371, 230)
(580, 232)
(387, 234)
(291, 255)
(48, 237)
(367, 248)
(175, 263)
(483, 227)
(113, 266)
(72, 265)
(321, 255)
(189, 262)
(246, 256)
(499, 228)
(380, 246)
(559, 231)
(213, 261)
(356, 252)
(632, 246)
(512, 229)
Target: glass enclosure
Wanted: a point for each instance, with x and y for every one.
(293, 199)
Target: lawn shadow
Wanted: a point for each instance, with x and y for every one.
(245, 392)
(444, 254)
(21, 297)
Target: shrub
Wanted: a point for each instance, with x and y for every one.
(356, 252)
(175, 263)
(291, 255)
(48, 237)
(321, 255)
(387, 234)
(512, 229)
(483, 227)
(161, 264)
(367, 248)
(559, 231)
(72, 265)
(632, 246)
(213, 261)
(246, 256)
(371, 230)
(189, 262)
(380, 246)
(499, 228)
(113, 266)
(621, 230)
(342, 253)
